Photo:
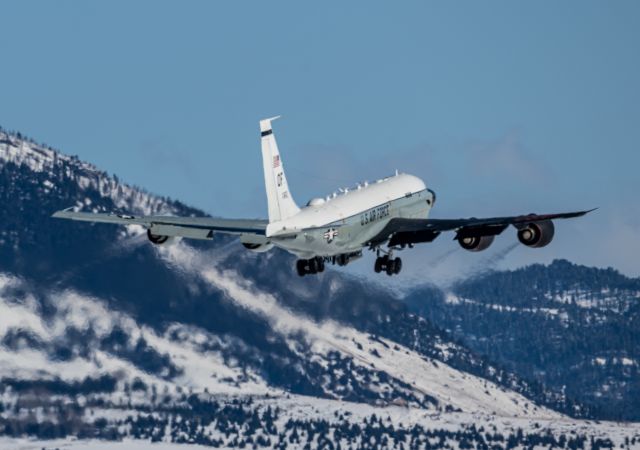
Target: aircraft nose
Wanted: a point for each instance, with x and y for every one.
(433, 197)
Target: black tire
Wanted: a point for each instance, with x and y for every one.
(313, 266)
(390, 266)
(378, 265)
(320, 264)
(301, 267)
(397, 266)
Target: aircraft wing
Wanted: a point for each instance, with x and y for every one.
(189, 227)
(410, 231)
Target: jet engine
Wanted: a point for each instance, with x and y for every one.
(536, 234)
(255, 243)
(159, 239)
(475, 243)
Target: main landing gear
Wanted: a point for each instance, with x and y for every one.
(386, 263)
(310, 266)
(316, 264)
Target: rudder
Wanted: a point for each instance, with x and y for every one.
(279, 200)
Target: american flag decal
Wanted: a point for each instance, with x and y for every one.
(276, 161)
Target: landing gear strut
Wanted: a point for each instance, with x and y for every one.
(310, 266)
(392, 266)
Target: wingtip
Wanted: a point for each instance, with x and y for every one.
(585, 212)
(61, 213)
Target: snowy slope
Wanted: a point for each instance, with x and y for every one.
(305, 420)
(572, 327)
(426, 376)
(76, 314)
(201, 369)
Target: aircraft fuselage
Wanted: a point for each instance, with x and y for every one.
(347, 222)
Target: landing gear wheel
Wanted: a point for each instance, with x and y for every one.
(378, 265)
(391, 264)
(320, 262)
(313, 266)
(342, 260)
(397, 266)
(301, 267)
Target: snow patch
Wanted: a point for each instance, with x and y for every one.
(73, 311)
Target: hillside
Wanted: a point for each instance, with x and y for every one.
(570, 327)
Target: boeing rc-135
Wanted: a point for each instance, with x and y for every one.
(385, 216)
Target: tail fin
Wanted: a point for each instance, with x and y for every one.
(279, 200)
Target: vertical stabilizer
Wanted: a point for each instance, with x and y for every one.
(279, 199)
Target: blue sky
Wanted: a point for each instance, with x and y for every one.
(502, 107)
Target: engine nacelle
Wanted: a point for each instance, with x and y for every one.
(159, 239)
(475, 243)
(255, 243)
(537, 234)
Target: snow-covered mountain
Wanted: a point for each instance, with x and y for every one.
(103, 335)
(573, 328)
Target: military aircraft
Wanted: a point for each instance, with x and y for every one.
(384, 216)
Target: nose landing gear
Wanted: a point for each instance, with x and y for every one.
(392, 266)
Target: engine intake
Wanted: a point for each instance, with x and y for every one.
(159, 239)
(537, 234)
(255, 243)
(475, 243)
